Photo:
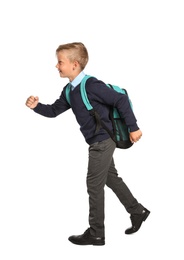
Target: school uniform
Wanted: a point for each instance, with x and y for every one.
(101, 168)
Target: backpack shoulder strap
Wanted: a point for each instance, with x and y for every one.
(67, 93)
(88, 105)
(82, 91)
(84, 94)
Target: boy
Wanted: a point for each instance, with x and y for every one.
(72, 59)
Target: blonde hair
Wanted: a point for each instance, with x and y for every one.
(77, 51)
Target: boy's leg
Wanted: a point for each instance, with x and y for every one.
(100, 157)
(137, 211)
(122, 191)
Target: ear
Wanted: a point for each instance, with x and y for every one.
(75, 64)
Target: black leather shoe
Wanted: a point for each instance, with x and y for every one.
(87, 239)
(137, 220)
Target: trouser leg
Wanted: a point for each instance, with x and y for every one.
(122, 191)
(100, 157)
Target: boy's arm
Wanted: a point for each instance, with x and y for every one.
(105, 95)
(58, 107)
(108, 96)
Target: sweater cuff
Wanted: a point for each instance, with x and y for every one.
(133, 128)
(36, 109)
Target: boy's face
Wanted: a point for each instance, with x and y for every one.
(66, 68)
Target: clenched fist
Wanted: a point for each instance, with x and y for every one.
(32, 102)
(135, 136)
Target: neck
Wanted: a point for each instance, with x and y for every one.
(74, 75)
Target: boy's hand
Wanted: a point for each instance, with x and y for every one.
(135, 136)
(32, 102)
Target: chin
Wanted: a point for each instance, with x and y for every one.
(63, 76)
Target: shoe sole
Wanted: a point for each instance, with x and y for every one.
(87, 244)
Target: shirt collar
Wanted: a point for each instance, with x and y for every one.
(78, 79)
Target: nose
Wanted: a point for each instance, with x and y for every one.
(57, 65)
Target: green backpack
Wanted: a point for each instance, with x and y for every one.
(120, 133)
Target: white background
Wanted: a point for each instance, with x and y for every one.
(43, 200)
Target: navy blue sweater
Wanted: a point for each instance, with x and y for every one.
(101, 98)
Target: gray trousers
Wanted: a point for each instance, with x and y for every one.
(101, 172)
